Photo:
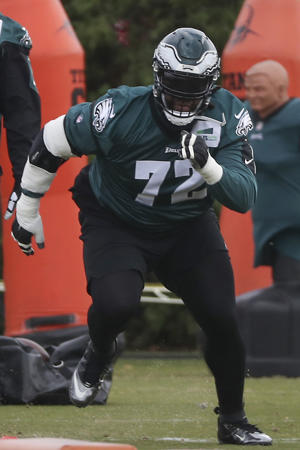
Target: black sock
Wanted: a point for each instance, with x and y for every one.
(233, 417)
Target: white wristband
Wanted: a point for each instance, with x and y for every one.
(27, 210)
(36, 179)
(212, 172)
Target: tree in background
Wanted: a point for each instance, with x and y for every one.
(119, 36)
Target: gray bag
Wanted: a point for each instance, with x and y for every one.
(30, 373)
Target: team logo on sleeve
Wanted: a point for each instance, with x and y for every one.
(103, 111)
(26, 39)
(244, 123)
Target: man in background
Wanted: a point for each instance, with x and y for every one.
(276, 143)
(19, 100)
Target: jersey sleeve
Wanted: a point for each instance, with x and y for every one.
(237, 188)
(90, 127)
(20, 101)
(77, 126)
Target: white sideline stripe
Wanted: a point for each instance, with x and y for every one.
(158, 295)
(181, 439)
(211, 440)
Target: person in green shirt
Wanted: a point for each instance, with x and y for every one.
(19, 100)
(163, 153)
(275, 139)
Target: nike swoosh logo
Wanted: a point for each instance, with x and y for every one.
(248, 161)
(239, 115)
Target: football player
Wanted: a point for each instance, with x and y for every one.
(19, 100)
(163, 154)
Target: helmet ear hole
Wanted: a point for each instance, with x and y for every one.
(186, 67)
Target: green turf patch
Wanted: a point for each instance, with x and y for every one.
(160, 404)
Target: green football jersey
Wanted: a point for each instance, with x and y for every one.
(137, 171)
(19, 97)
(11, 31)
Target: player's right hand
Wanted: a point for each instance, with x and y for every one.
(23, 237)
(28, 223)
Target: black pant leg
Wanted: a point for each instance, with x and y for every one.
(116, 297)
(208, 292)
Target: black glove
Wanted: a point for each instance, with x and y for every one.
(22, 237)
(28, 223)
(194, 148)
(13, 198)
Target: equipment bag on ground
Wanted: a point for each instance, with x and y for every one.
(30, 373)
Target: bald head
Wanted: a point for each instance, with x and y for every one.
(275, 71)
(266, 85)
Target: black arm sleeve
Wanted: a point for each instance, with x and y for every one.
(19, 104)
(40, 156)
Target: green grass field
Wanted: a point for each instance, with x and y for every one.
(159, 404)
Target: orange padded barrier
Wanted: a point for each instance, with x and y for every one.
(51, 283)
(237, 232)
(59, 444)
(264, 29)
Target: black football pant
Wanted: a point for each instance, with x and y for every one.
(116, 297)
(190, 259)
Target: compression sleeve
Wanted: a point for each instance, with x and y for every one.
(49, 150)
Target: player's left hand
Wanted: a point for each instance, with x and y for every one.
(12, 202)
(194, 148)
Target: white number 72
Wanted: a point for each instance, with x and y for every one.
(156, 172)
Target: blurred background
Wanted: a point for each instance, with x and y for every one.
(119, 37)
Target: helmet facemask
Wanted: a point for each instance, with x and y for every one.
(183, 86)
(182, 96)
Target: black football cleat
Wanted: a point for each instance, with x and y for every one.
(88, 378)
(241, 433)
